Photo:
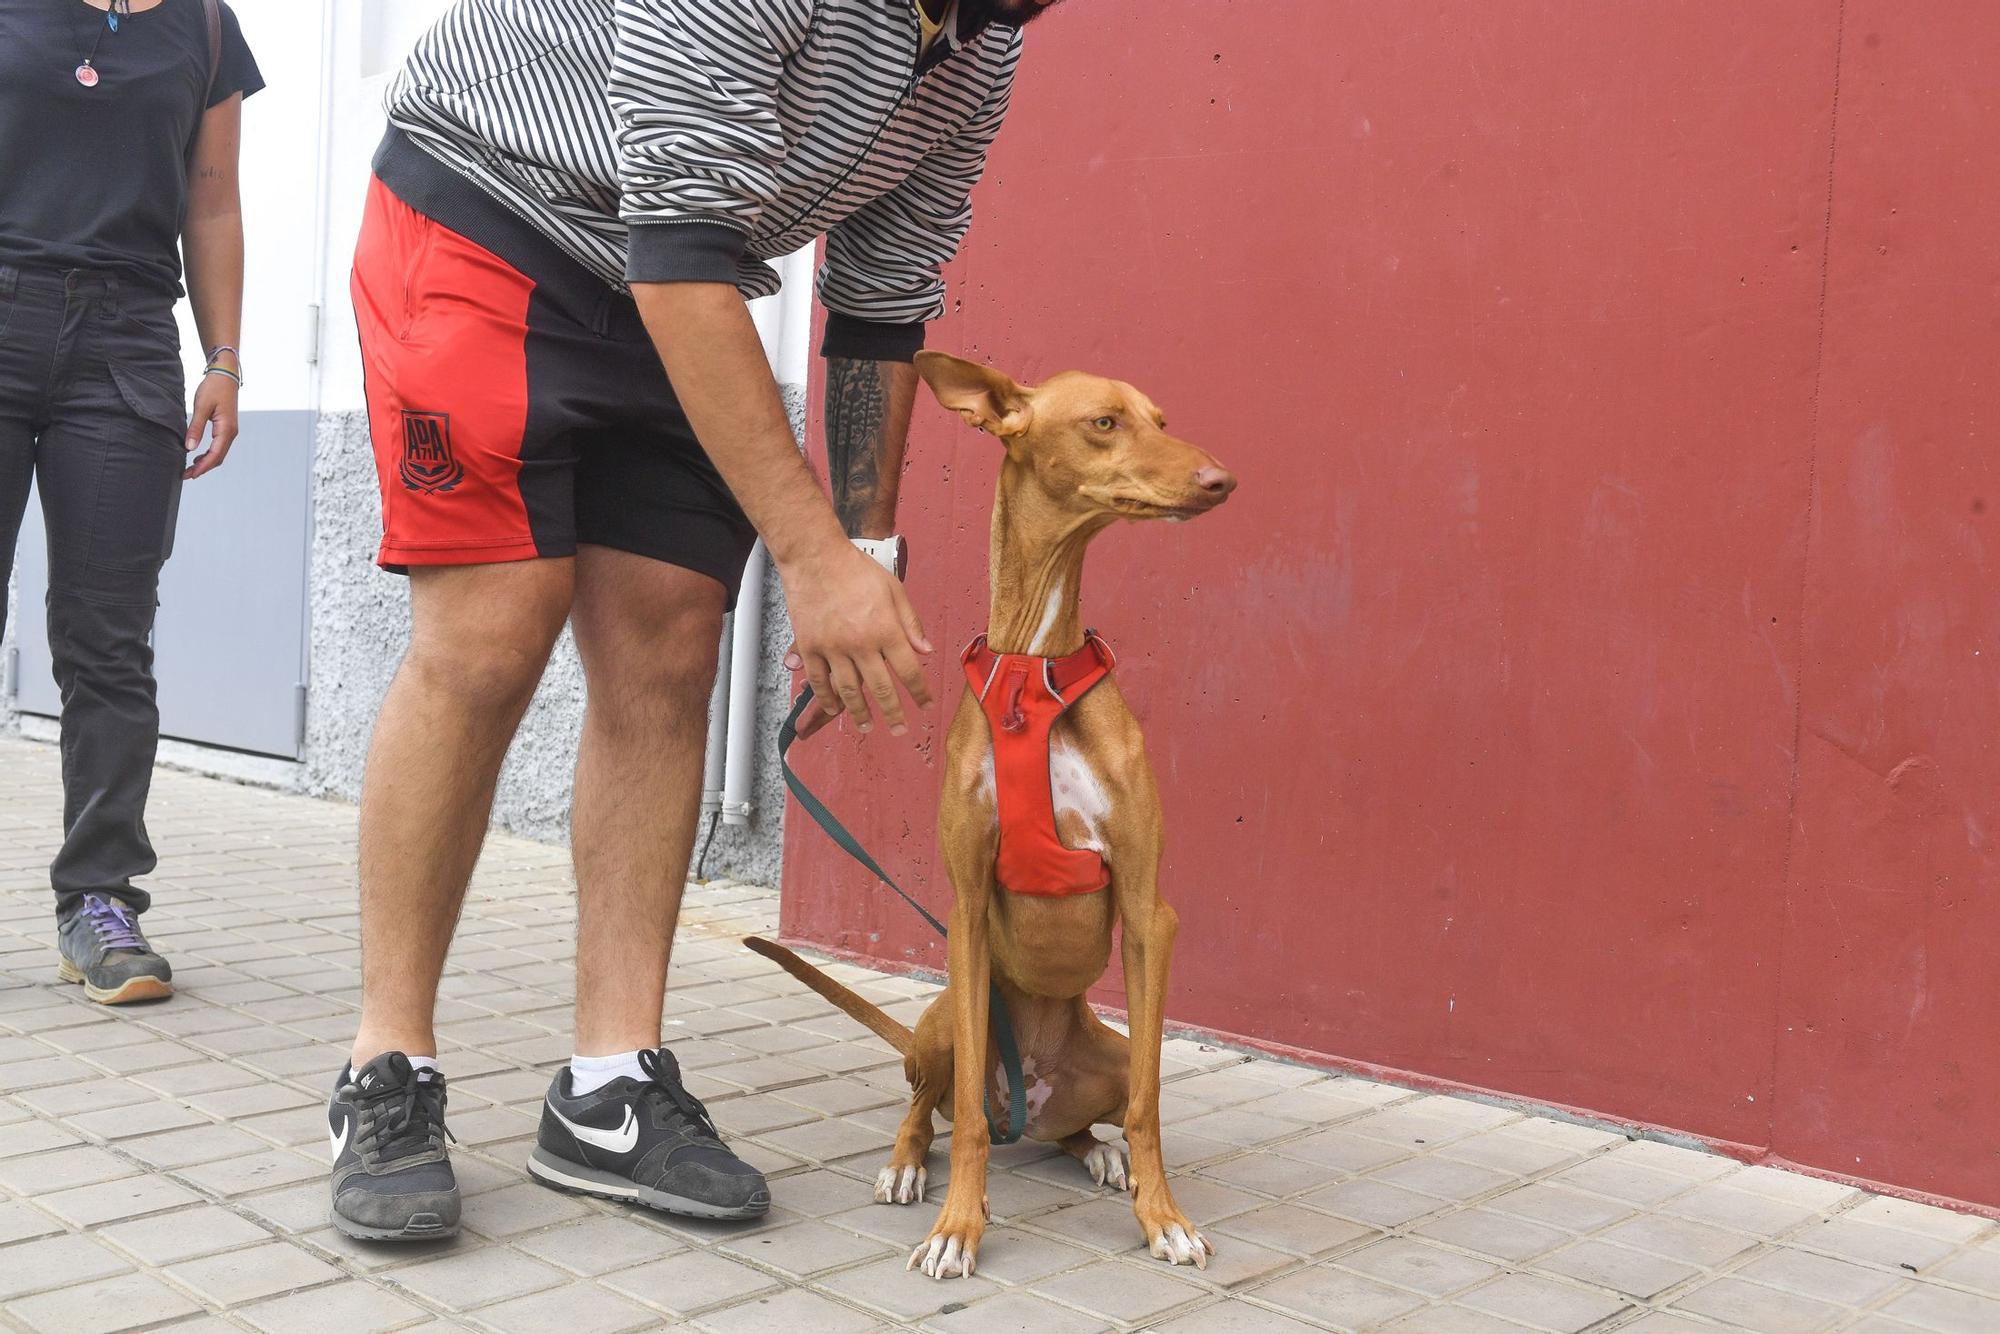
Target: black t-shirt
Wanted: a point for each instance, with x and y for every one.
(96, 178)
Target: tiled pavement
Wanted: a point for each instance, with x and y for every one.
(165, 1165)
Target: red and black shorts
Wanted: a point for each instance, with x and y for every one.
(518, 408)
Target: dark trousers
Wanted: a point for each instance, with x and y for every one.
(91, 408)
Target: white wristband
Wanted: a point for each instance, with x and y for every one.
(891, 553)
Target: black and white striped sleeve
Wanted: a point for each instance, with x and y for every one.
(694, 89)
(880, 282)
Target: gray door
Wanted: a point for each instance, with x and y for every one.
(229, 645)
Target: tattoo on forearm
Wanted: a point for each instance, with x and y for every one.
(856, 410)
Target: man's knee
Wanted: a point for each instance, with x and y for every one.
(485, 637)
(648, 636)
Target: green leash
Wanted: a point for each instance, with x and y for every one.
(1003, 1029)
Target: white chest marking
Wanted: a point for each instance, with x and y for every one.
(1079, 792)
(1049, 614)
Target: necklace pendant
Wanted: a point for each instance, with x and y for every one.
(85, 75)
(111, 19)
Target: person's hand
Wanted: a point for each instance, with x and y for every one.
(855, 636)
(215, 410)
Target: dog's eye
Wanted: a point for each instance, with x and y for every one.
(1106, 423)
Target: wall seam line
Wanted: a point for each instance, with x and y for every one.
(1805, 573)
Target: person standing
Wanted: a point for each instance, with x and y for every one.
(573, 420)
(119, 123)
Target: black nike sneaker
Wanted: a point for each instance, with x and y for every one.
(391, 1178)
(646, 1141)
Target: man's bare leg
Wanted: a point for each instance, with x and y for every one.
(480, 638)
(647, 633)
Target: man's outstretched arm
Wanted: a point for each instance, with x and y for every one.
(856, 631)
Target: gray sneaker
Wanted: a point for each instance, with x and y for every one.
(644, 1141)
(102, 948)
(392, 1180)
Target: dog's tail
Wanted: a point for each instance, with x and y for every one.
(856, 1008)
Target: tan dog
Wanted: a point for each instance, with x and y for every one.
(1081, 452)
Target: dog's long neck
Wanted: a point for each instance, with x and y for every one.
(1037, 570)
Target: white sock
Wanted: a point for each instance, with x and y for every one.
(587, 1074)
(424, 1063)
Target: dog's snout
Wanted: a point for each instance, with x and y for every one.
(1217, 482)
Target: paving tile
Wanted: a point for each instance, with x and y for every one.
(580, 1308)
(1430, 1270)
(1498, 1235)
(1754, 1306)
(521, 1207)
(255, 1172)
(28, 1136)
(1025, 1313)
(693, 1281)
(196, 1144)
(1634, 1273)
(804, 1249)
(1621, 1178)
(1295, 1229)
(1124, 1291)
(787, 1312)
(125, 1302)
(1325, 1294)
(1683, 1239)
(905, 1294)
(165, 1239)
(59, 1169)
(350, 1307)
(129, 1197)
(1890, 1247)
(1103, 1224)
(1442, 1178)
(1841, 1281)
(20, 1220)
(55, 1262)
(1977, 1268)
(1945, 1311)
(1541, 1303)
(1923, 1219)
(1451, 1318)
(1231, 1318)
(1720, 1203)
(1559, 1206)
(1374, 1202)
(471, 1275)
(246, 1275)
(1270, 1174)
(599, 1245)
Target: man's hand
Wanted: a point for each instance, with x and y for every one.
(215, 409)
(855, 635)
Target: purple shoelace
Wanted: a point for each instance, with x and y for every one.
(113, 924)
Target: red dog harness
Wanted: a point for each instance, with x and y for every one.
(1022, 696)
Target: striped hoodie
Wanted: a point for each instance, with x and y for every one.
(693, 140)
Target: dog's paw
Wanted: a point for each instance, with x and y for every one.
(952, 1250)
(1168, 1233)
(1182, 1245)
(900, 1185)
(1109, 1165)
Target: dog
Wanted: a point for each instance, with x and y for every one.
(1051, 835)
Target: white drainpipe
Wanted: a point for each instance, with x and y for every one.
(745, 657)
(718, 723)
(785, 324)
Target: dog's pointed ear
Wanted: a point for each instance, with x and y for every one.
(986, 398)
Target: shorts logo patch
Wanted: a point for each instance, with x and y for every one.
(428, 464)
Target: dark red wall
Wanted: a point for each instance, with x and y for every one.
(1589, 694)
